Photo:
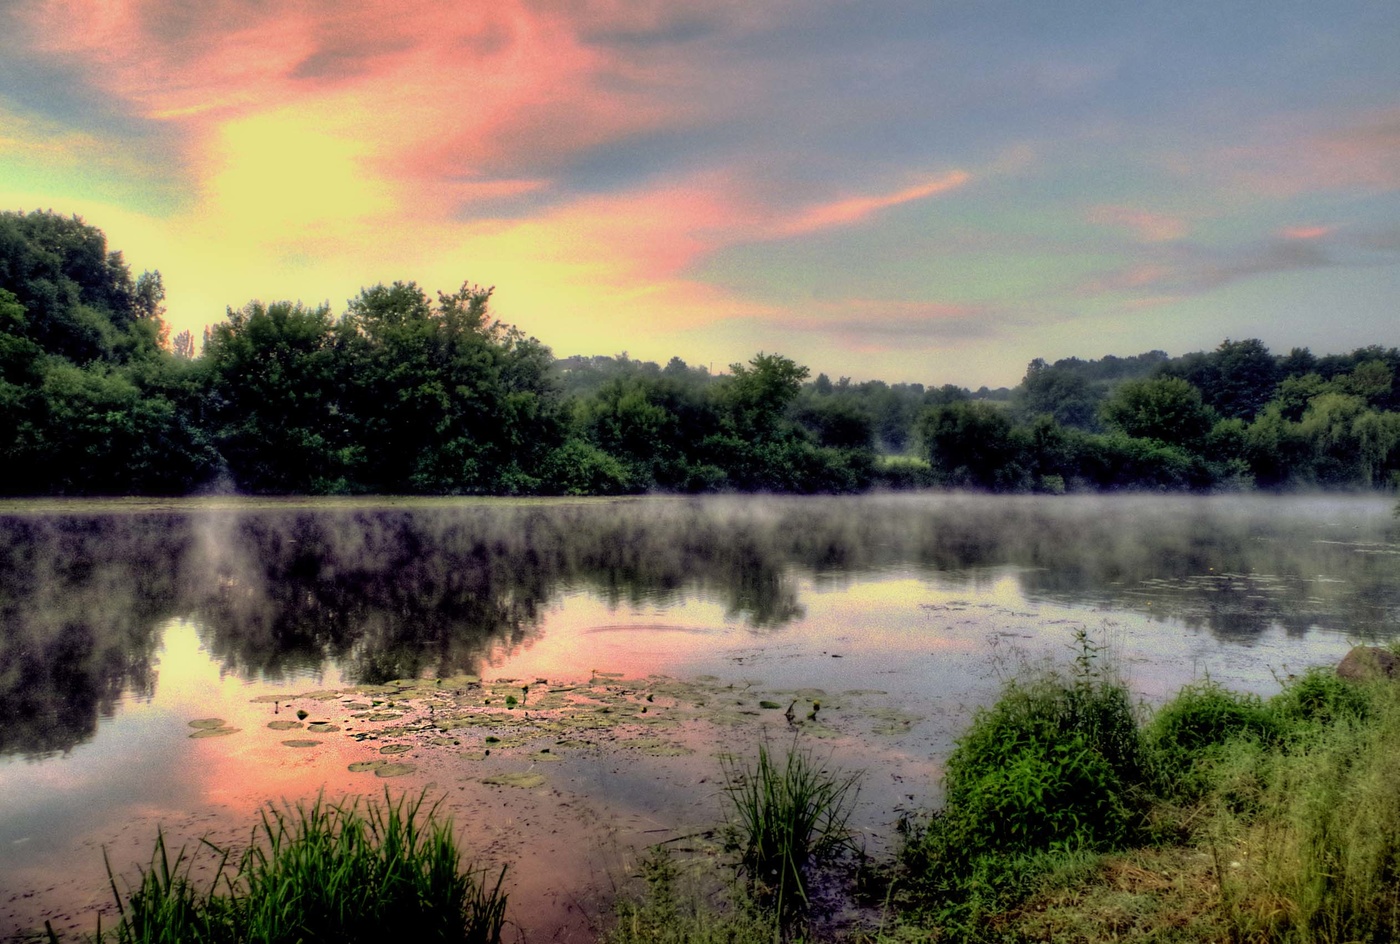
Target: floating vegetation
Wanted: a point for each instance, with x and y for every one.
(207, 723)
(214, 732)
(652, 717)
(526, 781)
(655, 747)
(397, 769)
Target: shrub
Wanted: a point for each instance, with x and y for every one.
(1187, 734)
(1319, 697)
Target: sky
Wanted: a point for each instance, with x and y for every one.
(931, 191)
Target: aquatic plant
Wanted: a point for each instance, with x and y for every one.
(784, 816)
(670, 912)
(351, 871)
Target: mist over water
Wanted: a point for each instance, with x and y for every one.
(422, 589)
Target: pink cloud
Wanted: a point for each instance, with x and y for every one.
(475, 91)
(1307, 232)
(848, 211)
(1146, 225)
(1293, 157)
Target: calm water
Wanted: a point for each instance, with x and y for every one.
(122, 622)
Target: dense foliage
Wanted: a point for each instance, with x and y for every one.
(401, 393)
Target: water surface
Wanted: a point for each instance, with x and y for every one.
(124, 621)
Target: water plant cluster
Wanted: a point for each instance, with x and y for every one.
(349, 871)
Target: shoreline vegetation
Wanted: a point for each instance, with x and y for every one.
(403, 394)
(1070, 814)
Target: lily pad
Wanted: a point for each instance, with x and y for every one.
(395, 770)
(213, 732)
(526, 781)
(385, 716)
(360, 766)
(655, 747)
(396, 748)
(322, 727)
(301, 742)
(283, 725)
(769, 704)
(207, 723)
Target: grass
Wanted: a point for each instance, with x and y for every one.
(785, 817)
(347, 872)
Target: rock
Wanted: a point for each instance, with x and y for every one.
(1364, 663)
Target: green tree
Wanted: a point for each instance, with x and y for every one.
(971, 445)
(758, 394)
(273, 401)
(1167, 409)
(1065, 395)
(445, 399)
(79, 299)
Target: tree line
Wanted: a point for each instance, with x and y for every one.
(405, 393)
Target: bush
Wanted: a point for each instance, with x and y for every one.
(1318, 697)
(1054, 769)
(1052, 765)
(1188, 733)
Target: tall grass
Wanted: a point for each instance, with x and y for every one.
(785, 816)
(1325, 832)
(347, 872)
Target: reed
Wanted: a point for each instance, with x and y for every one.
(786, 815)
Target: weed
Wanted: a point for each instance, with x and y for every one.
(784, 817)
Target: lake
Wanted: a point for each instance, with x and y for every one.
(565, 675)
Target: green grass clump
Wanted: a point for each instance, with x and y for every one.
(1318, 698)
(343, 872)
(784, 817)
